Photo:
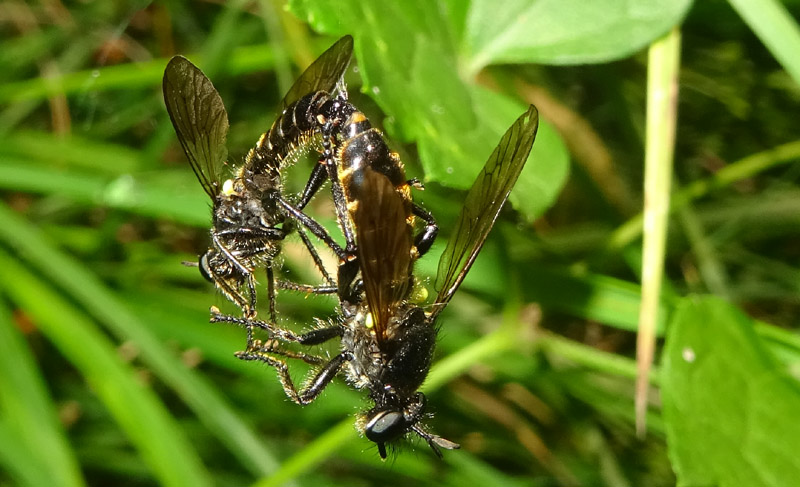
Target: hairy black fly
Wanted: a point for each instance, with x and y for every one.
(249, 214)
(387, 342)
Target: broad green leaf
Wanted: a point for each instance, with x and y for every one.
(419, 83)
(730, 409)
(565, 31)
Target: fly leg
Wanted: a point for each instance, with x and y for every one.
(312, 337)
(271, 294)
(425, 239)
(313, 387)
(305, 288)
(336, 186)
(318, 176)
(315, 256)
(314, 227)
(319, 380)
(272, 347)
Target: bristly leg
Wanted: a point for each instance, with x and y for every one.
(313, 387)
(273, 347)
(312, 337)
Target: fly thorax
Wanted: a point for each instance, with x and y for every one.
(365, 367)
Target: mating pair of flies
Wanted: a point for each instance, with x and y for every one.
(386, 339)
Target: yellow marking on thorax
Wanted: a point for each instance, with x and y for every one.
(369, 321)
(357, 117)
(419, 293)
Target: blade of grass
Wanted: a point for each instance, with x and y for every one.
(242, 60)
(776, 28)
(125, 76)
(741, 169)
(157, 198)
(592, 358)
(313, 454)
(101, 302)
(662, 105)
(24, 399)
(73, 151)
(136, 408)
(20, 468)
(711, 267)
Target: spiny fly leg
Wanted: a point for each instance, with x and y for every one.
(315, 256)
(425, 239)
(313, 387)
(318, 176)
(307, 288)
(339, 200)
(273, 347)
(315, 228)
(312, 337)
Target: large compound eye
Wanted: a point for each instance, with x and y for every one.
(205, 271)
(385, 426)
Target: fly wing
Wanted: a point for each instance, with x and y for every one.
(384, 242)
(199, 118)
(324, 73)
(483, 203)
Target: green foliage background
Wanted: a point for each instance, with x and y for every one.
(111, 375)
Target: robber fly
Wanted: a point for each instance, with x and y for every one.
(387, 342)
(249, 219)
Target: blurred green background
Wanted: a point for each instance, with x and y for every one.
(110, 373)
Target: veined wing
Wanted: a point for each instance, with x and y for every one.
(384, 239)
(199, 118)
(483, 203)
(324, 73)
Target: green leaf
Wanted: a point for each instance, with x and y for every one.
(419, 84)
(565, 31)
(729, 407)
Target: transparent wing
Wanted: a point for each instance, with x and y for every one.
(324, 73)
(483, 203)
(384, 242)
(199, 118)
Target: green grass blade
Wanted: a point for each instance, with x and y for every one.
(747, 167)
(774, 25)
(155, 197)
(104, 305)
(136, 408)
(24, 397)
(19, 465)
(310, 456)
